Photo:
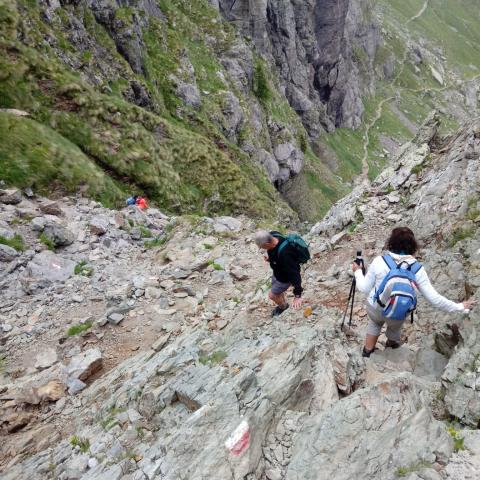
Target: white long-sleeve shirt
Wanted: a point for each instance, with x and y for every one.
(370, 282)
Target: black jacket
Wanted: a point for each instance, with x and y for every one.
(286, 267)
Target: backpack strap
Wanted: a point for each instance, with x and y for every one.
(415, 267)
(391, 264)
(282, 246)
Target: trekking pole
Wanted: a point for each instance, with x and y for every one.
(353, 287)
(350, 295)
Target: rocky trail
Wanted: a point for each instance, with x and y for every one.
(140, 346)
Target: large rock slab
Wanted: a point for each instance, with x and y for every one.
(208, 406)
(371, 434)
(47, 267)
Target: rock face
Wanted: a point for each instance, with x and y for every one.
(312, 42)
(369, 434)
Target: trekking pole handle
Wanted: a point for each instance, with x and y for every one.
(359, 261)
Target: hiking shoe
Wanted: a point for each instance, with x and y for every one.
(277, 311)
(391, 344)
(366, 353)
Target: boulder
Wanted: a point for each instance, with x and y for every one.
(46, 267)
(269, 163)
(38, 224)
(10, 197)
(225, 224)
(99, 224)
(233, 114)
(6, 231)
(239, 273)
(115, 318)
(85, 364)
(51, 392)
(58, 235)
(7, 254)
(51, 208)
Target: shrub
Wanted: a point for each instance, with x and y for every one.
(458, 440)
(261, 87)
(83, 443)
(156, 242)
(81, 268)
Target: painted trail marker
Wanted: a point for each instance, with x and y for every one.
(239, 440)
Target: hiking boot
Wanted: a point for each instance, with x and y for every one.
(392, 344)
(277, 311)
(366, 353)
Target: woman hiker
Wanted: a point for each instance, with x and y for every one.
(399, 291)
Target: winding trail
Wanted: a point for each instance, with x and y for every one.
(379, 110)
(419, 14)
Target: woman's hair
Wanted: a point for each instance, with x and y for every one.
(402, 241)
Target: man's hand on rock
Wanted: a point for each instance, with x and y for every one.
(297, 303)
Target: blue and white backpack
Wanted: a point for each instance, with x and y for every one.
(397, 293)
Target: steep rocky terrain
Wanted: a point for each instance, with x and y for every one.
(140, 346)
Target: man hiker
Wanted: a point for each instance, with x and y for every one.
(391, 282)
(285, 257)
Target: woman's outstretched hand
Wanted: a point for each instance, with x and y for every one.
(469, 304)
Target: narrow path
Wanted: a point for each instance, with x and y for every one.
(366, 143)
(419, 14)
(378, 112)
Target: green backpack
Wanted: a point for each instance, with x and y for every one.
(298, 244)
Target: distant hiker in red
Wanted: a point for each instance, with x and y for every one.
(142, 203)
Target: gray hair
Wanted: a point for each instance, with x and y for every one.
(262, 237)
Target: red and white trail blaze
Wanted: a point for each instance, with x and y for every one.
(239, 440)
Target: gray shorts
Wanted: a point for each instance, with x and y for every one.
(279, 287)
(376, 321)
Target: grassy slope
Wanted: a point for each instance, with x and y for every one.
(77, 135)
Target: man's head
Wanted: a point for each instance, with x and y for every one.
(265, 240)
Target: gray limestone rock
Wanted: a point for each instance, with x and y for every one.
(99, 224)
(7, 254)
(85, 364)
(58, 234)
(46, 358)
(361, 431)
(47, 267)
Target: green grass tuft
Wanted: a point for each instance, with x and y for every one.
(79, 328)
(46, 241)
(83, 443)
(213, 359)
(16, 242)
